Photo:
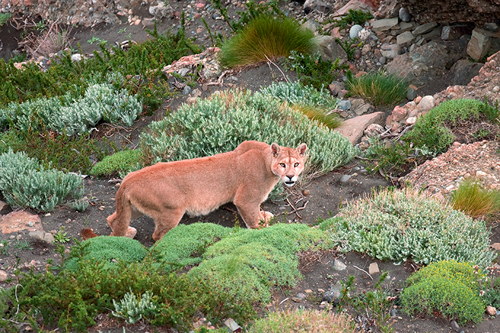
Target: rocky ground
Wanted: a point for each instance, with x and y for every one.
(435, 56)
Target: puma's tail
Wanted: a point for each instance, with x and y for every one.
(87, 233)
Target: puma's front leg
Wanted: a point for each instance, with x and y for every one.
(264, 218)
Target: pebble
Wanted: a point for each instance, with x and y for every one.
(339, 265)
(345, 178)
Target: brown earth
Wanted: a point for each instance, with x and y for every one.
(324, 195)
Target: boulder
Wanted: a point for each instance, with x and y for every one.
(479, 44)
(463, 71)
(354, 128)
(329, 49)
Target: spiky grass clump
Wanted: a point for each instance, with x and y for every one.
(399, 225)
(265, 38)
(378, 88)
(475, 200)
(303, 320)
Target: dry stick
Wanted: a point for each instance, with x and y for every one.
(363, 271)
(300, 208)
(270, 61)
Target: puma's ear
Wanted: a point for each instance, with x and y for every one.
(275, 149)
(302, 149)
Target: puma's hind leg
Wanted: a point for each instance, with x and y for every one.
(119, 222)
(165, 221)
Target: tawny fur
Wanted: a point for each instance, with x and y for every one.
(244, 176)
(87, 233)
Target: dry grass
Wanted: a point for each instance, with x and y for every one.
(473, 199)
(310, 321)
(49, 42)
(330, 120)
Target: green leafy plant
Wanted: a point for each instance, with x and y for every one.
(251, 12)
(378, 88)
(435, 129)
(263, 39)
(401, 225)
(349, 46)
(395, 159)
(25, 183)
(95, 39)
(61, 236)
(352, 17)
(490, 287)
(302, 320)
(80, 205)
(449, 288)
(23, 245)
(120, 162)
(375, 304)
(472, 198)
(4, 248)
(4, 18)
(133, 310)
(312, 70)
(220, 123)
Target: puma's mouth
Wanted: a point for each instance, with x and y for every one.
(290, 183)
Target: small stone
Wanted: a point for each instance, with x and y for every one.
(411, 120)
(354, 31)
(339, 265)
(333, 295)
(345, 178)
(186, 90)
(301, 296)
(344, 105)
(373, 268)
(454, 326)
(491, 311)
(308, 291)
(76, 57)
(183, 71)
(232, 325)
(496, 246)
(323, 305)
(394, 313)
(424, 28)
(404, 14)
(426, 103)
(3, 276)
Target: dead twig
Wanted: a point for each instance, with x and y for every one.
(270, 61)
(363, 271)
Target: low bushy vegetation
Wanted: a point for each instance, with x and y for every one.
(435, 129)
(378, 88)
(352, 17)
(303, 320)
(312, 70)
(221, 122)
(401, 225)
(265, 38)
(26, 183)
(118, 163)
(472, 198)
(449, 288)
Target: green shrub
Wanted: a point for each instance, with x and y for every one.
(249, 262)
(25, 183)
(472, 198)
(263, 39)
(303, 320)
(120, 162)
(66, 115)
(107, 249)
(312, 70)
(312, 103)
(435, 128)
(378, 88)
(185, 244)
(451, 288)
(401, 225)
(222, 122)
(353, 17)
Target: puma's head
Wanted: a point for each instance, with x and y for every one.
(288, 163)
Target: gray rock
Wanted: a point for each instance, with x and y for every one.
(186, 90)
(232, 326)
(424, 28)
(493, 27)
(337, 264)
(183, 71)
(454, 326)
(394, 312)
(411, 94)
(335, 87)
(354, 31)
(479, 44)
(406, 26)
(76, 57)
(453, 32)
(4, 208)
(404, 14)
(345, 178)
(329, 49)
(311, 25)
(301, 296)
(390, 51)
(344, 105)
(333, 295)
(405, 39)
(384, 24)
(463, 71)
(382, 60)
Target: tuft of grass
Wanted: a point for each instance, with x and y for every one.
(475, 200)
(303, 320)
(265, 38)
(330, 120)
(378, 88)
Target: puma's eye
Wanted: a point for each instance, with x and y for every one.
(282, 165)
(296, 164)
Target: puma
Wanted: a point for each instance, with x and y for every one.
(244, 176)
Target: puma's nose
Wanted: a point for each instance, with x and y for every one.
(289, 177)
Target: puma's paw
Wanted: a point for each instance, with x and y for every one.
(131, 232)
(264, 218)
